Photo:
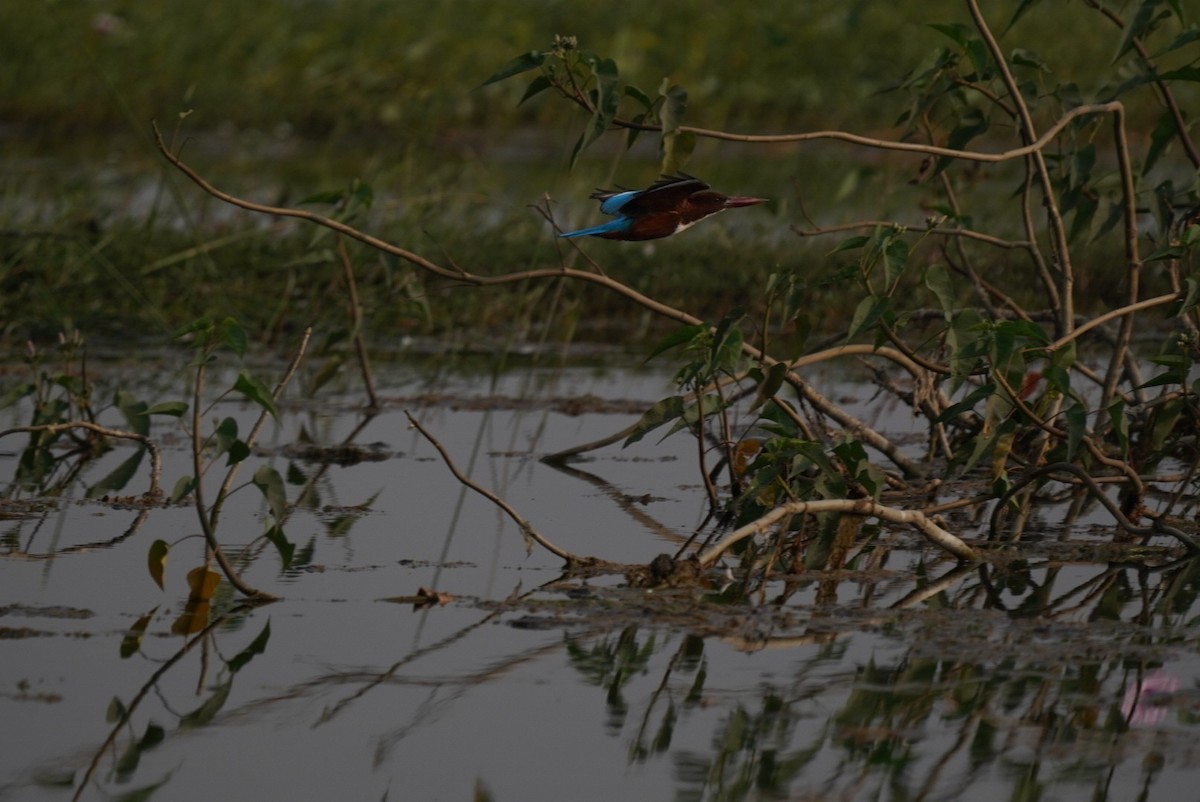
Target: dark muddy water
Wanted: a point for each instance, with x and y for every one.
(1056, 676)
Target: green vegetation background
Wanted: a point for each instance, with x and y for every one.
(291, 98)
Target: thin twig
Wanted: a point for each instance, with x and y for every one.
(526, 527)
(360, 344)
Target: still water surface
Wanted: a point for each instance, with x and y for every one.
(911, 679)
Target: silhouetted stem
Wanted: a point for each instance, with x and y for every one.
(256, 429)
(206, 526)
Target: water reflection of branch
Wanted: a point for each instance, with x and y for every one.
(930, 589)
(128, 709)
(85, 548)
(623, 500)
(526, 527)
(1157, 527)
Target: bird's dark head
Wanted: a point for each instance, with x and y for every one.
(715, 201)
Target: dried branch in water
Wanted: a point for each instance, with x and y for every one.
(932, 532)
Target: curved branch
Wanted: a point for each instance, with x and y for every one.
(864, 506)
(873, 438)
(1112, 314)
(155, 458)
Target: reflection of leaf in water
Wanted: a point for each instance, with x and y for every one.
(256, 647)
(202, 583)
(128, 762)
(193, 619)
(133, 638)
(205, 713)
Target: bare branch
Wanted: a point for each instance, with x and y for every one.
(868, 507)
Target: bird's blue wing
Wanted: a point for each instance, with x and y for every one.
(611, 227)
(611, 202)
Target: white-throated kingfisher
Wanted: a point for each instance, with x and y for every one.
(668, 206)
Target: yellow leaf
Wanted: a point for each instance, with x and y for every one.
(157, 561)
(202, 583)
(193, 619)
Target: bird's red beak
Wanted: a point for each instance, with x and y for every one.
(741, 200)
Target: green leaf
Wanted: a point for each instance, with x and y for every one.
(536, 86)
(270, 483)
(664, 411)
(937, 279)
(867, 314)
(1182, 40)
(706, 406)
(257, 392)
(640, 96)
(1162, 136)
(957, 31)
(1020, 12)
(1182, 74)
(134, 411)
(1120, 425)
(675, 99)
(1144, 21)
(228, 442)
(895, 257)
(674, 148)
(173, 408)
(851, 243)
(605, 100)
(183, 487)
(769, 385)
(1076, 428)
(116, 710)
(677, 149)
(1027, 58)
(522, 63)
(157, 561)
(681, 336)
(119, 477)
(285, 547)
(1191, 298)
(200, 326)
(233, 335)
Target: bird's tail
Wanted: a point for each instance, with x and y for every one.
(610, 227)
